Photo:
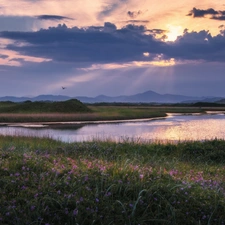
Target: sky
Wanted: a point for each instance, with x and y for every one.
(112, 47)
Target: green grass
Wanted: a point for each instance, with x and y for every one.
(49, 182)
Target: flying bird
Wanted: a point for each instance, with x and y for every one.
(63, 88)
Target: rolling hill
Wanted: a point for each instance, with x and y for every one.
(145, 97)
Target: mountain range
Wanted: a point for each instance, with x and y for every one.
(145, 97)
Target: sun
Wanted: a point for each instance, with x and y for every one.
(173, 32)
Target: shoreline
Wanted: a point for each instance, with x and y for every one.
(47, 124)
(86, 122)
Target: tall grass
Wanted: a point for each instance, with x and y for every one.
(49, 182)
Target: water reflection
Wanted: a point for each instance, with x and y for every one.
(173, 128)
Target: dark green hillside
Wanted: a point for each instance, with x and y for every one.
(222, 101)
(6, 104)
(69, 106)
(207, 104)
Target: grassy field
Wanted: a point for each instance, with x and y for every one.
(68, 111)
(48, 182)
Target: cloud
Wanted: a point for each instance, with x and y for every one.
(110, 8)
(215, 15)
(201, 13)
(85, 46)
(137, 21)
(3, 56)
(90, 45)
(218, 17)
(134, 14)
(158, 33)
(16, 23)
(52, 17)
(198, 46)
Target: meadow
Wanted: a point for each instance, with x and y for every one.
(50, 182)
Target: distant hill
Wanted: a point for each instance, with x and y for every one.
(69, 106)
(221, 101)
(145, 97)
(37, 98)
(148, 97)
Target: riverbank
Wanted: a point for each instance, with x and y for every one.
(49, 182)
(103, 113)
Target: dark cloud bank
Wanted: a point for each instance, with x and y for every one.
(216, 15)
(52, 17)
(107, 44)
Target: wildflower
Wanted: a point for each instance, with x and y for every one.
(75, 212)
(97, 200)
(32, 207)
(108, 194)
(74, 167)
(89, 189)
(36, 195)
(141, 176)
(102, 168)
(12, 148)
(204, 217)
(86, 178)
(66, 211)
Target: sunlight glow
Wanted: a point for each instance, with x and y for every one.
(170, 62)
(13, 58)
(173, 32)
(146, 54)
(158, 61)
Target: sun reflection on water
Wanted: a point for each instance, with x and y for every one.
(172, 128)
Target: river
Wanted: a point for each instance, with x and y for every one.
(174, 127)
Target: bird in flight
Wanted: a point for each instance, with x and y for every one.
(63, 88)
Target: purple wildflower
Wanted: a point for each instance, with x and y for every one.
(75, 212)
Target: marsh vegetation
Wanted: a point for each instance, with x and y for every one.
(49, 182)
(74, 110)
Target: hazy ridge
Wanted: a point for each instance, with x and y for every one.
(145, 97)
